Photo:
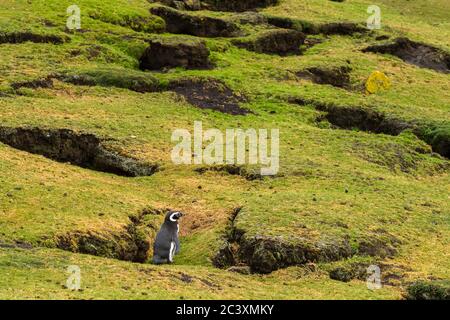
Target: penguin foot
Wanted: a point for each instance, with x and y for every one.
(159, 260)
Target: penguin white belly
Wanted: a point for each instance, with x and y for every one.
(173, 248)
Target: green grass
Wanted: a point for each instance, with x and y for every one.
(333, 183)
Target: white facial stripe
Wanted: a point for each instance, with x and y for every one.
(172, 218)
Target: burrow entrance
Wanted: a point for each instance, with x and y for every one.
(172, 53)
(80, 149)
(214, 5)
(416, 53)
(264, 254)
(182, 23)
(281, 42)
(233, 170)
(369, 120)
(21, 37)
(337, 76)
(132, 243)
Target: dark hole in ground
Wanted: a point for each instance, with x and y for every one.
(172, 53)
(332, 28)
(294, 24)
(21, 37)
(391, 275)
(337, 77)
(84, 150)
(238, 5)
(16, 245)
(349, 272)
(179, 22)
(134, 81)
(247, 174)
(416, 53)
(34, 84)
(342, 28)
(357, 118)
(266, 254)
(132, 243)
(208, 93)
(223, 5)
(363, 119)
(369, 120)
(282, 42)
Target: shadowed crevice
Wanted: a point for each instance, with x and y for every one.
(80, 149)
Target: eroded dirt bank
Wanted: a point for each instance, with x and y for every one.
(80, 149)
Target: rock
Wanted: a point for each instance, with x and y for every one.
(162, 54)
(281, 42)
(183, 23)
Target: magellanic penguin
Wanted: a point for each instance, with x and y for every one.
(167, 243)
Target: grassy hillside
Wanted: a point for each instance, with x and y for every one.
(364, 178)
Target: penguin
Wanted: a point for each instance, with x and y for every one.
(167, 244)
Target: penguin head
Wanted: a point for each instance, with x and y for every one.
(173, 216)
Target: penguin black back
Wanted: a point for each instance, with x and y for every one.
(167, 243)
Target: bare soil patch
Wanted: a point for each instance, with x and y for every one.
(208, 93)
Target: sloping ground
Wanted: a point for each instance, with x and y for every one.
(106, 279)
(363, 179)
